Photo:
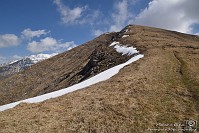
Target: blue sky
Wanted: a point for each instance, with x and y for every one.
(52, 26)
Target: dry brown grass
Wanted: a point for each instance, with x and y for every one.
(162, 87)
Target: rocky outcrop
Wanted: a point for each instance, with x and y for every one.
(101, 59)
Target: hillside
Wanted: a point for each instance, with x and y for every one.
(161, 88)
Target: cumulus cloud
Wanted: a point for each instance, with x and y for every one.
(29, 34)
(44, 45)
(77, 15)
(178, 15)
(49, 44)
(8, 40)
(121, 16)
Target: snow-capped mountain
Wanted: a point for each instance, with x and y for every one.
(21, 64)
(40, 57)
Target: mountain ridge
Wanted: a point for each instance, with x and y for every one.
(161, 88)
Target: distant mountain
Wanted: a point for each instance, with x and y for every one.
(15, 66)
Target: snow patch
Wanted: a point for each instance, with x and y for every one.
(93, 80)
(113, 43)
(125, 36)
(124, 49)
(12, 62)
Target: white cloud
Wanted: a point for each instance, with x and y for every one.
(69, 15)
(97, 32)
(29, 34)
(44, 45)
(91, 18)
(17, 57)
(77, 15)
(49, 44)
(121, 17)
(8, 40)
(178, 15)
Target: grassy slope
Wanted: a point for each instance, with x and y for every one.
(160, 88)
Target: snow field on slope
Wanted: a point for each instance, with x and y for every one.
(125, 36)
(123, 49)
